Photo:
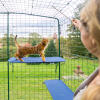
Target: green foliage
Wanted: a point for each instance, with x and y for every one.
(34, 38)
(63, 46)
(75, 45)
(34, 43)
(51, 50)
(3, 53)
(3, 49)
(11, 40)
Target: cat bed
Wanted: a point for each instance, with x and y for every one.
(37, 60)
(59, 90)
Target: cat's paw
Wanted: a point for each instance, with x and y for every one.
(21, 59)
(43, 59)
(17, 58)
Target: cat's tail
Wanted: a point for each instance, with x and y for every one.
(16, 43)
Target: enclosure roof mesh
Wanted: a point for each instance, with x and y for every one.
(40, 7)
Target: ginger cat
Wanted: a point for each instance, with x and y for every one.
(26, 50)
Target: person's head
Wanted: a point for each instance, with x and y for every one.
(90, 19)
(92, 93)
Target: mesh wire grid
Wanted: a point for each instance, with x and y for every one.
(33, 20)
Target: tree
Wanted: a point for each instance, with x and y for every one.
(51, 50)
(12, 48)
(11, 40)
(4, 40)
(34, 42)
(34, 37)
(63, 46)
(75, 45)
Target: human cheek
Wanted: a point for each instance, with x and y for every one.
(85, 40)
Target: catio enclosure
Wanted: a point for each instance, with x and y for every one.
(31, 21)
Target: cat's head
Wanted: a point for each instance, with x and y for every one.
(45, 41)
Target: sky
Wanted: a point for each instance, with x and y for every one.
(25, 24)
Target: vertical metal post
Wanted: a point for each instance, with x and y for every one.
(8, 48)
(59, 44)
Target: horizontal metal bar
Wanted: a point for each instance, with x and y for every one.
(28, 14)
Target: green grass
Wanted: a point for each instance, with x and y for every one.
(26, 82)
(87, 66)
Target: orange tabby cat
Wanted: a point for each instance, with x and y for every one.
(26, 50)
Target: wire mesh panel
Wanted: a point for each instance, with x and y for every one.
(3, 58)
(31, 21)
(79, 62)
(27, 79)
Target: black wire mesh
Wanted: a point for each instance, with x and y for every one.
(76, 55)
(27, 80)
(33, 20)
(3, 59)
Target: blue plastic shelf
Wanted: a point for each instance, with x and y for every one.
(59, 90)
(37, 60)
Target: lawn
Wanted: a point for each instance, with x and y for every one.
(27, 81)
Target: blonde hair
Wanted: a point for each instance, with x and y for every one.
(92, 93)
(90, 18)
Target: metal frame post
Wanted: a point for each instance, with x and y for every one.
(59, 32)
(8, 49)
